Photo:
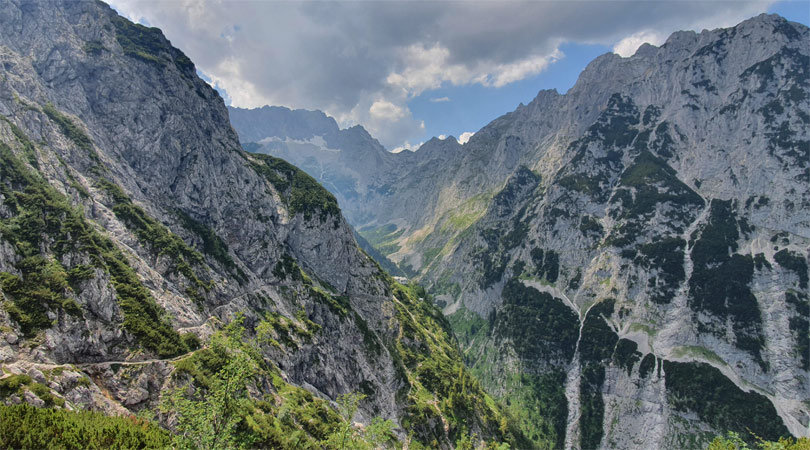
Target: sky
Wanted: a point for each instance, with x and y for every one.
(411, 70)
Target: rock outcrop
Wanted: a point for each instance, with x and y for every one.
(627, 262)
(133, 226)
(674, 224)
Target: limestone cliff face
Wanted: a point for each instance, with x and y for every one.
(606, 254)
(133, 225)
(680, 215)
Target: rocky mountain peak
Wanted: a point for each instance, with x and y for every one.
(145, 255)
(280, 122)
(622, 246)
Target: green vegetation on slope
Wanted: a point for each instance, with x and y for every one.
(42, 287)
(665, 256)
(28, 147)
(734, 441)
(161, 241)
(704, 390)
(148, 44)
(799, 324)
(719, 285)
(41, 284)
(439, 388)
(383, 238)
(547, 264)
(541, 327)
(794, 262)
(647, 186)
(213, 245)
(300, 192)
(537, 403)
(626, 355)
(72, 131)
(375, 254)
(286, 267)
(25, 426)
(469, 328)
(464, 215)
(542, 331)
(43, 227)
(615, 130)
(220, 412)
(596, 347)
(647, 365)
(18, 384)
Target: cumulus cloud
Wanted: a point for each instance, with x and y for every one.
(628, 46)
(407, 146)
(346, 57)
(386, 111)
(391, 122)
(509, 73)
(465, 137)
(439, 99)
(428, 68)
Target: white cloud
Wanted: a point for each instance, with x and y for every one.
(391, 122)
(504, 74)
(628, 46)
(439, 99)
(242, 91)
(429, 68)
(407, 146)
(385, 110)
(346, 57)
(465, 136)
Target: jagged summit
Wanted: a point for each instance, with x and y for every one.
(643, 162)
(607, 253)
(278, 121)
(142, 250)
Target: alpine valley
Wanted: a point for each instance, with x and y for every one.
(150, 266)
(624, 265)
(621, 266)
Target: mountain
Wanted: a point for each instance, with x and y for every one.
(625, 265)
(670, 233)
(379, 191)
(349, 162)
(146, 260)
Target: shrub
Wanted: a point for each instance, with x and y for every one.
(733, 441)
(160, 240)
(25, 426)
(301, 192)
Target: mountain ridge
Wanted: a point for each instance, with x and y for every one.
(620, 196)
(622, 164)
(134, 230)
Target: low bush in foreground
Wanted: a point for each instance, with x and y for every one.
(26, 426)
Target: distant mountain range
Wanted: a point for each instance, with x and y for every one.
(624, 265)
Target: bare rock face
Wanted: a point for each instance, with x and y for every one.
(665, 197)
(133, 226)
(683, 205)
